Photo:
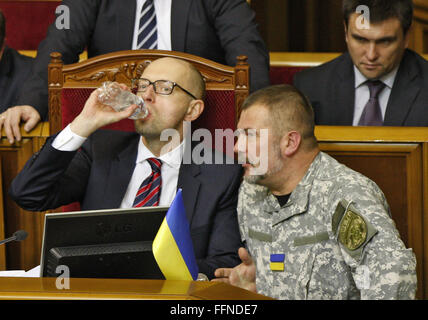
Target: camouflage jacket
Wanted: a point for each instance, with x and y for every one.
(334, 239)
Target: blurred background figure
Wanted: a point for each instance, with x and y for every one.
(14, 69)
(219, 30)
(378, 81)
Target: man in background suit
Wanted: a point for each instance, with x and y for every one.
(109, 169)
(218, 30)
(378, 81)
(14, 69)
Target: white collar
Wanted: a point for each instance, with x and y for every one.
(387, 79)
(172, 158)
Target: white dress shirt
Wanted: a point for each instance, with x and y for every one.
(171, 162)
(362, 93)
(163, 22)
(67, 140)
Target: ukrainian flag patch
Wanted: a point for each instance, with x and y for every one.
(277, 262)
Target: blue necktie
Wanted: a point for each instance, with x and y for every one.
(148, 194)
(147, 30)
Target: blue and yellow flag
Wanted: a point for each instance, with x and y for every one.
(173, 247)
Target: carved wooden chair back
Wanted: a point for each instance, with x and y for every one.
(70, 85)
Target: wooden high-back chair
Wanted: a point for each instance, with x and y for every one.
(70, 86)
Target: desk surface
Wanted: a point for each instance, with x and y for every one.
(45, 288)
(323, 133)
(304, 59)
(371, 134)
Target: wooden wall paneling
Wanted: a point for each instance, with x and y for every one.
(2, 236)
(25, 254)
(332, 36)
(260, 16)
(297, 26)
(413, 43)
(419, 32)
(278, 28)
(317, 25)
(291, 25)
(419, 37)
(13, 158)
(311, 21)
(273, 23)
(425, 217)
(415, 205)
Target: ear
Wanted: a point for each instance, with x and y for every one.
(290, 143)
(194, 110)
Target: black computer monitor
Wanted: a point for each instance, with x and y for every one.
(113, 243)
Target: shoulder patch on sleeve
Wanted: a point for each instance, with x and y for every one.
(352, 230)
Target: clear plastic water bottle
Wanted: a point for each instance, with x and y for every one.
(111, 94)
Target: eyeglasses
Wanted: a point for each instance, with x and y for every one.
(164, 87)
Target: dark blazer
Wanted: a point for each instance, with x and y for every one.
(14, 70)
(98, 175)
(218, 30)
(330, 88)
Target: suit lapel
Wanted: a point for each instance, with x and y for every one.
(125, 23)
(179, 21)
(120, 174)
(405, 90)
(190, 185)
(343, 93)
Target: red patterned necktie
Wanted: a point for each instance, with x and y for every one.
(149, 192)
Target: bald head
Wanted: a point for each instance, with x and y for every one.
(179, 71)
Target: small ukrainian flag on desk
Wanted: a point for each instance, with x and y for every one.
(173, 247)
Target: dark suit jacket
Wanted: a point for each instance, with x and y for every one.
(330, 88)
(218, 30)
(14, 70)
(98, 175)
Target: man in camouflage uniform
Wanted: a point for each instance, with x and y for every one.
(315, 229)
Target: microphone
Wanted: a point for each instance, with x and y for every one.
(17, 236)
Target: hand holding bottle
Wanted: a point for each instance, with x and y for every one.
(119, 98)
(96, 114)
